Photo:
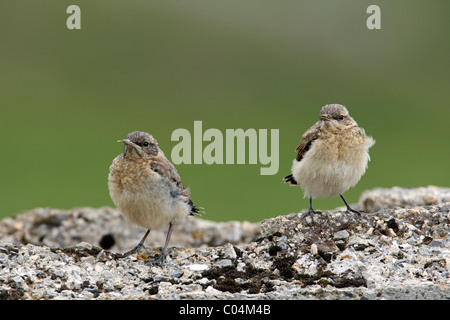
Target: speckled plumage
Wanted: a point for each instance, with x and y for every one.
(146, 187)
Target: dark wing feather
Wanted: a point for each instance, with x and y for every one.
(307, 139)
(305, 144)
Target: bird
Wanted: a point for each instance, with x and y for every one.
(146, 187)
(332, 156)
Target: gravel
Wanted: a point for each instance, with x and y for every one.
(399, 249)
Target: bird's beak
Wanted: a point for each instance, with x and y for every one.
(127, 142)
(133, 145)
(325, 117)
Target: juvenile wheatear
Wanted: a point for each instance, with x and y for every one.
(146, 187)
(331, 156)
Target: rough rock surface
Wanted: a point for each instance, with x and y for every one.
(400, 249)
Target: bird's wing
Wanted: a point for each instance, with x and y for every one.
(305, 143)
(307, 139)
(162, 166)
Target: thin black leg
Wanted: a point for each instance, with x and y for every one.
(310, 211)
(160, 259)
(348, 207)
(139, 246)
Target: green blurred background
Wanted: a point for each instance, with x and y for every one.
(66, 96)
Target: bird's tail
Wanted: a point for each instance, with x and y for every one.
(290, 179)
(196, 210)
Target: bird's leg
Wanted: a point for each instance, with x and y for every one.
(160, 259)
(348, 207)
(310, 211)
(139, 246)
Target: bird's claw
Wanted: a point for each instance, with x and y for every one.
(310, 213)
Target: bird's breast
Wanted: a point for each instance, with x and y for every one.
(333, 163)
(131, 176)
(143, 196)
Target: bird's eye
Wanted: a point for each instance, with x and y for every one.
(145, 144)
(341, 117)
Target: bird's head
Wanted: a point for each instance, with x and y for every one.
(140, 145)
(336, 117)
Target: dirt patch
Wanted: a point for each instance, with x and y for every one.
(229, 279)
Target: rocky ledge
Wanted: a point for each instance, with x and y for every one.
(399, 249)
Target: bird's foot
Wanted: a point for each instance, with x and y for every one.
(354, 211)
(136, 249)
(158, 260)
(349, 209)
(310, 213)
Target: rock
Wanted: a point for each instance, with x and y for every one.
(399, 252)
(108, 229)
(223, 263)
(343, 234)
(380, 198)
(442, 243)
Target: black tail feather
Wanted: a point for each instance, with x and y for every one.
(196, 210)
(290, 179)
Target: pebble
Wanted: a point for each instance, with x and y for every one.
(223, 263)
(343, 234)
(441, 243)
(314, 249)
(197, 267)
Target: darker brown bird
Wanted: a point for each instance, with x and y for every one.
(146, 187)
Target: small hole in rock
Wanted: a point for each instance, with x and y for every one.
(107, 241)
